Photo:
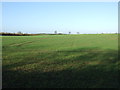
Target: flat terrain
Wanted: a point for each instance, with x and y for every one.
(71, 61)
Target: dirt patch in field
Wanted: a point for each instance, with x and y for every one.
(20, 44)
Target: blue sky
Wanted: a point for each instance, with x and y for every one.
(46, 17)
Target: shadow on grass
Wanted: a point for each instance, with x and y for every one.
(88, 68)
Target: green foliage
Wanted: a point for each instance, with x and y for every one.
(57, 61)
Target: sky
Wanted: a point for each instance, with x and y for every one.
(63, 17)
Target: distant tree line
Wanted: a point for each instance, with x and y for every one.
(15, 34)
(26, 34)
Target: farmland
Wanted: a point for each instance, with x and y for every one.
(58, 61)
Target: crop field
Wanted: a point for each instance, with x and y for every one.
(60, 61)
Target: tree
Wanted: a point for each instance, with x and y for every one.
(19, 32)
(69, 32)
(55, 32)
(77, 32)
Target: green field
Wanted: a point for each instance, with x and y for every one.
(58, 61)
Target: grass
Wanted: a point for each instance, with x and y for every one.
(60, 61)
